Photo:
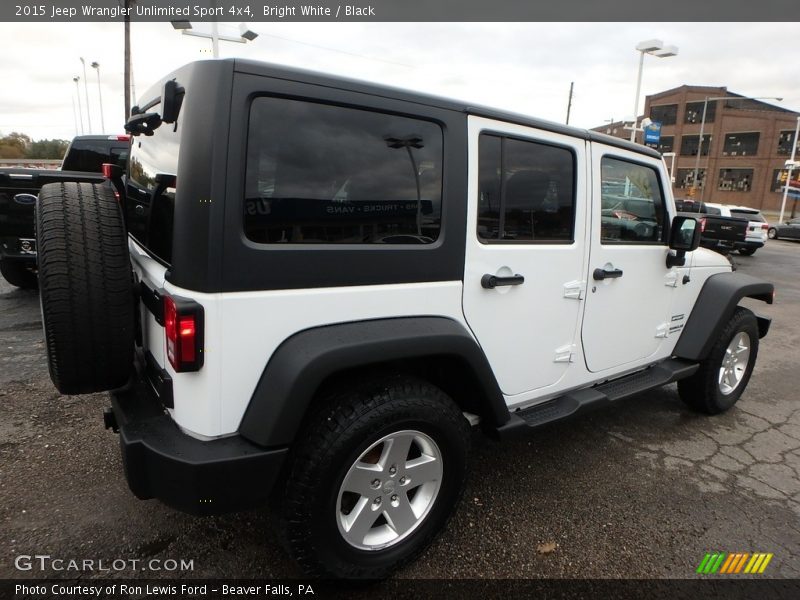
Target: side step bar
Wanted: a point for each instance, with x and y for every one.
(611, 391)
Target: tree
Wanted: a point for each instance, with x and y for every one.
(14, 145)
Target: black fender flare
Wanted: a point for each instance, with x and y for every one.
(714, 307)
(303, 361)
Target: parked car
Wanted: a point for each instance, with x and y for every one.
(83, 161)
(756, 228)
(268, 331)
(788, 231)
(721, 231)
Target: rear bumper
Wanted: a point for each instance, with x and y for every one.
(21, 249)
(191, 475)
(755, 245)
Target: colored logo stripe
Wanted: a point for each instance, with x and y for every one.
(724, 563)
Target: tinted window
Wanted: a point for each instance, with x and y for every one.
(89, 155)
(749, 215)
(151, 189)
(526, 191)
(328, 174)
(632, 208)
(666, 114)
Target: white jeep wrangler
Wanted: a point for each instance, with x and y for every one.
(309, 289)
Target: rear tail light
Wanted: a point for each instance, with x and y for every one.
(120, 138)
(702, 225)
(765, 226)
(183, 327)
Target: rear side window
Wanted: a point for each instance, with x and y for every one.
(749, 215)
(150, 200)
(318, 173)
(89, 155)
(526, 191)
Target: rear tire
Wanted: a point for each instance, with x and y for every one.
(343, 521)
(85, 287)
(18, 274)
(772, 233)
(723, 376)
(747, 251)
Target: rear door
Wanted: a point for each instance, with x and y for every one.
(525, 254)
(626, 319)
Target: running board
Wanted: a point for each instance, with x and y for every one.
(576, 401)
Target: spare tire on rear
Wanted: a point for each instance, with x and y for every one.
(85, 287)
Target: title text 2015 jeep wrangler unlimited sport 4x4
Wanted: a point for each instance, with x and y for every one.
(314, 285)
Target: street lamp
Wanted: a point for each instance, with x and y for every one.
(76, 79)
(86, 89)
(790, 164)
(96, 66)
(245, 34)
(654, 48)
(703, 126)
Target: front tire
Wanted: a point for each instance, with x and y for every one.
(724, 374)
(375, 476)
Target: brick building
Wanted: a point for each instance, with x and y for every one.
(745, 144)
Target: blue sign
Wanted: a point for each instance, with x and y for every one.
(652, 134)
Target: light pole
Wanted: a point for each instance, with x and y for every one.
(86, 89)
(76, 79)
(654, 48)
(96, 67)
(791, 165)
(702, 129)
(245, 34)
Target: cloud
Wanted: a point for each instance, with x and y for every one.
(525, 67)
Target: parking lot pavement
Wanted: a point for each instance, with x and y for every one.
(642, 489)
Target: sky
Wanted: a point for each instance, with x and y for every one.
(523, 67)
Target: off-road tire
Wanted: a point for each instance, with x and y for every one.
(18, 274)
(85, 287)
(747, 251)
(333, 439)
(702, 391)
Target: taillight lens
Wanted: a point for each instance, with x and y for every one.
(764, 226)
(702, 225)
(183, 327)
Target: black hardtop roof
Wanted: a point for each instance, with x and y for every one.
(316, 78)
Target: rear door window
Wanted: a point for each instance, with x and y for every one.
(319, 173)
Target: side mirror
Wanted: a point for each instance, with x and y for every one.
(684, 236)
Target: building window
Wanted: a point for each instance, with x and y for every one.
(318, 173)
(666, 143)
(741, 144)
(785, 143)
(526, 191)
(735, 180)
(685, 178)
(694, 112)
(666, 114)
(689, 145)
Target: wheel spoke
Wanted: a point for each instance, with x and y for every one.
(422, 470)
(401, 518)
(399, 447)
(360, 520)
(360, 479)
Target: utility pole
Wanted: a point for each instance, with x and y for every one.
(569, 102)
(127, 59)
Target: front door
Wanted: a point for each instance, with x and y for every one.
(626, 318)
(525, 258)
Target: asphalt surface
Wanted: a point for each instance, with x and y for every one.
(643, 489)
